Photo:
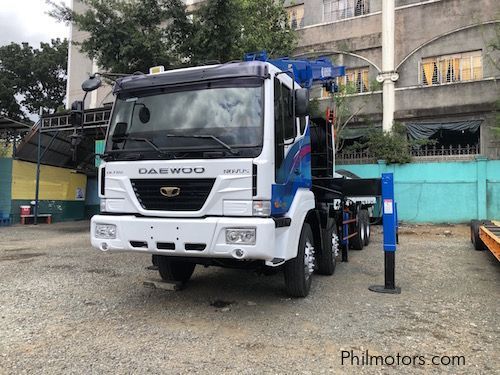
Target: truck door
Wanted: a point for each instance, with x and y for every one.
(285, 127)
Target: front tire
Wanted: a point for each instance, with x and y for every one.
(298, 271)
(174, 270)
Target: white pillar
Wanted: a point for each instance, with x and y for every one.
(388, 76)
(94, 94)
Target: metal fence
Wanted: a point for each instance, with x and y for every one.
(456, 152)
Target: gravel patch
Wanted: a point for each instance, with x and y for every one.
(67, 308)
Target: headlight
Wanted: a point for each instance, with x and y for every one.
(103, 205)
(261, 208)
(105, 231)
(240, 236)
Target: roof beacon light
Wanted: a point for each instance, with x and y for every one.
(157, 69)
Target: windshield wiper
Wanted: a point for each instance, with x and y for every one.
(144, 140)
(206, 136)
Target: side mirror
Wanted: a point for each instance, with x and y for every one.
(77, 113)
(91, 84)
(120, 133)
(301, 102)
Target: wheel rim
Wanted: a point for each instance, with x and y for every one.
(362, 232)
(335, 244)
(309, 260)
(368, 230)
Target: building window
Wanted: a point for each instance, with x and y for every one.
(354, 81)
(334, 10)
(296, 16)
(459, 67)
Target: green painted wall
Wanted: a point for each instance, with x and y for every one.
(447, 192)
(5, 187)
(60, 210)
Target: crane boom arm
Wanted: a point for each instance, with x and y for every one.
(304, 71)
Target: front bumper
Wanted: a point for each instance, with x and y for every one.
(178, 237)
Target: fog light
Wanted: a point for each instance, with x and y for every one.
(238, 253)
(104, 246)
(241, 236)
(261, 208)
(105, 231)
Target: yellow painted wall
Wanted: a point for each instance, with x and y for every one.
(5, 150)
(55, 183)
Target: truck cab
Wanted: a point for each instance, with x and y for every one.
(212, 165)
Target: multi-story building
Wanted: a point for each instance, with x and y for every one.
(447, 87)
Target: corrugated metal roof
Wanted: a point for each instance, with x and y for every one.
(56, 145)
(9, 124)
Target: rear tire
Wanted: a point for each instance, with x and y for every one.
(327, 257)
(175, 270)
(474, 233)
(298, 271)
(366, 220)
(357, 242)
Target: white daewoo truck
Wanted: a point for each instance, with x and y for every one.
(220, 165)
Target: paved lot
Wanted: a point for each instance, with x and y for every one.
(65, 308)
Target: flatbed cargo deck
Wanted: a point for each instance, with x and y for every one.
(486, 235)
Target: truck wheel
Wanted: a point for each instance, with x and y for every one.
(327, 257)
(474, 233)
(299, 270)
(174, 270)
(366, 226)
(357, 242)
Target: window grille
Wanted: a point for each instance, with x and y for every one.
(296, 16)
(334, 10)
(451, 68)
(354, 81)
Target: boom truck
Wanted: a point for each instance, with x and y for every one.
(221, 166)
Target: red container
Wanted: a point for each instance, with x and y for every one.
(25, 210)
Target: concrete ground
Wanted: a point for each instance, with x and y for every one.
(66, 308)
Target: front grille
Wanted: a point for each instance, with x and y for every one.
(192, 193)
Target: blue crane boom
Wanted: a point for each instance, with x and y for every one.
(304, 71)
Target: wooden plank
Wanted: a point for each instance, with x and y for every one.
(163, 285)
(491, 241)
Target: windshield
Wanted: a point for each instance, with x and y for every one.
(214, 116)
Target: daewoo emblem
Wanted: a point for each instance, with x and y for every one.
(170, 192)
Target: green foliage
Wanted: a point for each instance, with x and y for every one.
(35, 76)
(375, 85)
(393, 147)
(128, 36)
(124, 36)
(314, 108)
(496, 125)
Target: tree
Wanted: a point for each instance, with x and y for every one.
(129, 36)
(224, 30)
(125, 36)
(266, 25)
(31, 78)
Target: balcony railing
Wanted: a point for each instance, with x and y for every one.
(457, 152)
